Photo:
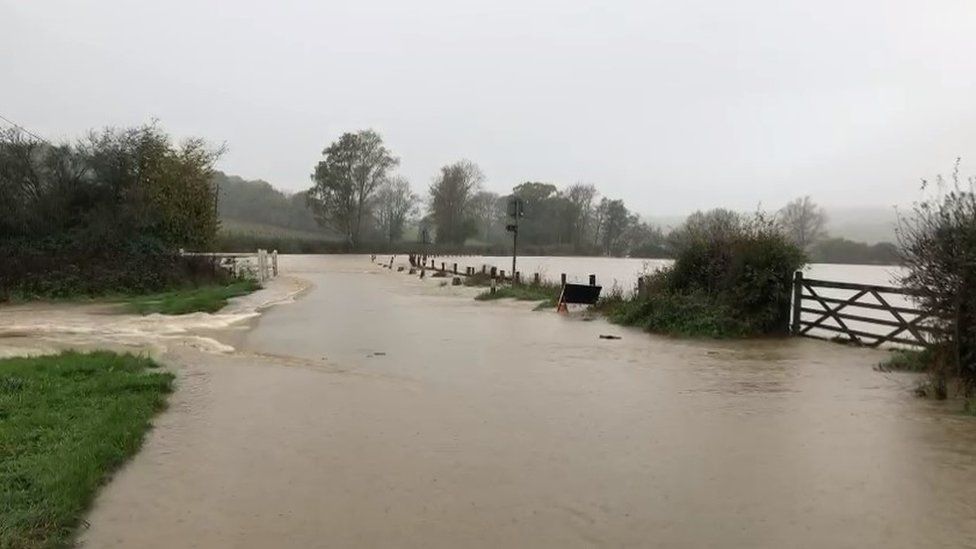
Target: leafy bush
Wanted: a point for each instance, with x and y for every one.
(732, 278)
(107, 214)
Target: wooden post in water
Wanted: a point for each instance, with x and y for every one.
(592, 280)
(562, 278)
(484, 268)
(274, 262)
(455, 268)
(535, 278)
(640, 286)
(797, 301)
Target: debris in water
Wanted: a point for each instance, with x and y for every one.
(605, 336)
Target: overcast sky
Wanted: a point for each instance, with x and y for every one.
(671, 105)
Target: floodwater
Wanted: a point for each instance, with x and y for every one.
(623, 272)
(379, 410)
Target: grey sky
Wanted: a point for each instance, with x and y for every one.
(671, 105)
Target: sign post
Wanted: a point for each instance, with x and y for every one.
(515, 211)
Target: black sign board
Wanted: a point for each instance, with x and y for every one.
(580, 293)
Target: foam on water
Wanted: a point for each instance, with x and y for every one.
(30, 329)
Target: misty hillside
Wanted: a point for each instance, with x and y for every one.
(256, 207)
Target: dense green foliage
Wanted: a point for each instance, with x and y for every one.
(106, 214)
(731, 277)
(450, 202)
(938, 245)
(66, 422)
(207, 299)
(346, 180)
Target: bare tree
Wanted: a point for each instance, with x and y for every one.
(803, 222)
(395, 204)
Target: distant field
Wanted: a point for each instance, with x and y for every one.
(244, 228)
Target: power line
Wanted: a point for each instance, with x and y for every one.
(23, 129)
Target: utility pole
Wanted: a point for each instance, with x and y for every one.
(515, 211)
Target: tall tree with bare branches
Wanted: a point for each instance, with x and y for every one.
(803, 222)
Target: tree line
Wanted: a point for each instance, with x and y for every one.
(357, 194)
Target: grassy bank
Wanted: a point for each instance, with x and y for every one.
(66, 422)
(547, 294)
(908, 360)
(208, 299)
(691, 315)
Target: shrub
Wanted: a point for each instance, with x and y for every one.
(731, 279)
(107, 214)
(938, 248)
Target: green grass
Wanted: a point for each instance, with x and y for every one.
(676, 314)
(548, 294)
(246, 228)
(969, 407)
(908, 360)
(206, 299)
(66, 422)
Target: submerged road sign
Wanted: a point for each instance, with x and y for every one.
(582, 294)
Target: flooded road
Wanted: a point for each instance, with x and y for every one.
(379, 410)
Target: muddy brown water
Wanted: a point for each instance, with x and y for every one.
(379, 410)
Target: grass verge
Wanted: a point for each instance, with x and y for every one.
(692, 315)
(66, 422)
(206, 299)
(548, 294)
(908, 360)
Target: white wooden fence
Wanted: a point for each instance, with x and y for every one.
(262, 265)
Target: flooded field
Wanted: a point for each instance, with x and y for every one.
(623, 272)
(379, 410)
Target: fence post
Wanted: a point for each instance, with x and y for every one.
(274, 262)
(640, 286)
(518, 277)
(797, 301)
(592, 280)
(535, 278)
